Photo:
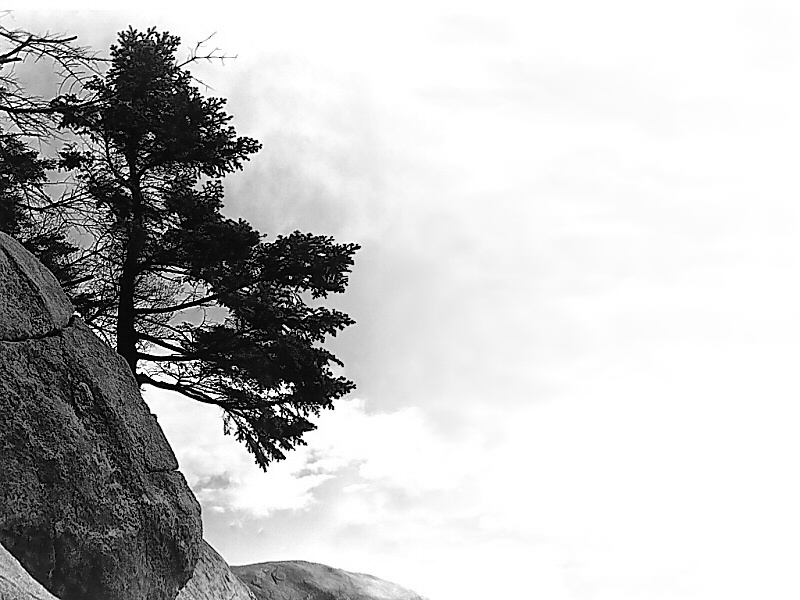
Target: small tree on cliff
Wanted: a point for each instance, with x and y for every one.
(27, 212)
(197, 303)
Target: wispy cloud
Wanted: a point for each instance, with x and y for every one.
(390, 451)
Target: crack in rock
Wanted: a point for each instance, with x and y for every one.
(42, 336)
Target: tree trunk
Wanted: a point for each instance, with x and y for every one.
(126, 326)
(126, 330)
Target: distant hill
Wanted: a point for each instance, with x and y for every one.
(301, 580)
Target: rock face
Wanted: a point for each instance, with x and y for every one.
(16, 583)
(214, 580)
(91, 503)
(300, 580)
(32, 304)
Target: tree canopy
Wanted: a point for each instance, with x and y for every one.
(195, 302)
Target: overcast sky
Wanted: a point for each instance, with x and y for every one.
(577, 303)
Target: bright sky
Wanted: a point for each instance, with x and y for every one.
(577, 298)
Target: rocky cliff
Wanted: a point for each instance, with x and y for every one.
(214, 580)
(91, 503)
(16, 583)
(300, 580)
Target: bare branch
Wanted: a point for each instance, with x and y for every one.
(74, 65)
(168, 357)
(178, 307)
(187, 391)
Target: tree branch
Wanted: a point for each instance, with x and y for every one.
(168, 358)
(181, 389)
(6, 58)
(177, 307)
(163, 344)
(42, 110)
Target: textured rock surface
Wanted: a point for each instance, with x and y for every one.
(90, 503)
(31, 301)
(214, 580)
(300, 580)
(16, 583)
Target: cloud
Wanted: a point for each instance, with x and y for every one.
(221, 472)
(391, 452)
